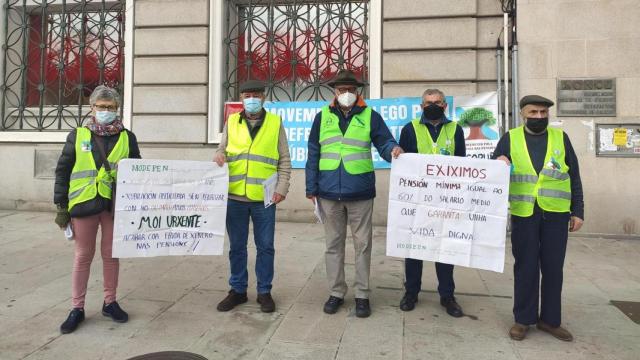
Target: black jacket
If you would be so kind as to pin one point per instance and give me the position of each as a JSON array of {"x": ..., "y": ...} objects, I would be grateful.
[
  {"x": 68, "y": 159},
  {"x": 409, "y": 142}
]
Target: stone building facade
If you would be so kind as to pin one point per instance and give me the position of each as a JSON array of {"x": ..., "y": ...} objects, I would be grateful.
[{"x": 175, "y": 58}]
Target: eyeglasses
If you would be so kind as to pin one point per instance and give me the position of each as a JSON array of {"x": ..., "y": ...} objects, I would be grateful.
[
  {"x": 343, "y": 90},
  {"x": 251, "y": 94},
  {"x": 105, "y": 108}
]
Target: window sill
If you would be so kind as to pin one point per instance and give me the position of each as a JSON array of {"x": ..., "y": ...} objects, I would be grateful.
[
  {"x": 32, "y": 135},
  {"x": 12, "y": 136}
]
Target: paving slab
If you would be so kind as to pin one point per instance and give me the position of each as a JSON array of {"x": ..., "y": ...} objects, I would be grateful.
[
  {"x": 306, "y": 323},
  {"x": 172, "y": 304},
  {"x": 279, "y": 350},
  {"x": 376, "y": 337}
]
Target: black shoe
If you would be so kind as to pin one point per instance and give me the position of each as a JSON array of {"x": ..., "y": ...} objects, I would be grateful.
[
  {"x": 76, "y": 316},
  {"x": 114, "y": 311},
  {"x": 232, "y": 300},
  {"x": 362, "y": 308},
  {"x": 332, "y": 305},
  {"x": 452, "y": 306},
  {"x": 408, "y": 302},
  {"x": 267, "y": 305}
]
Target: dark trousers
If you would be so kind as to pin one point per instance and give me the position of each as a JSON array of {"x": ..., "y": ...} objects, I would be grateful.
[
  {"x": 539, "y": 244},
  {"x": 413, "y": 278}
]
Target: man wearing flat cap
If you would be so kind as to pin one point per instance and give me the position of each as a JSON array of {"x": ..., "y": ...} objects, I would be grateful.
[
  {"x": 254, "y": 145},
  {"x": 545, "y": 198},
  {"x": 340, "y": 177}
]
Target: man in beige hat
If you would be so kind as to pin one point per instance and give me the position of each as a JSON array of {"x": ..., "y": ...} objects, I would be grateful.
[{"x": 340, "y": 176}]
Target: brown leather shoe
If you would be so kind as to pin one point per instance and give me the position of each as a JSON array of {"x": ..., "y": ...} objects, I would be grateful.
[
  {"x": 518, "y": 331},
  {"x": 557, "y": 332},
  {"x": 232, "y": 300},
  {"x": 267, "y": 305}
]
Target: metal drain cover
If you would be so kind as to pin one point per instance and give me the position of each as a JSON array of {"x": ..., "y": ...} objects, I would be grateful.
[
  {"x": 629, "y": 308},
  {"x": 169, "y": 355}
]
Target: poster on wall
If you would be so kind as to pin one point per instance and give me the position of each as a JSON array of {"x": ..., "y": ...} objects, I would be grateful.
[
  {"x": 169, "y": 207},
  {"x": 618, "y": 140},
  {"x": 448, "y": 209},
  {"x": 477, "y": 114}
]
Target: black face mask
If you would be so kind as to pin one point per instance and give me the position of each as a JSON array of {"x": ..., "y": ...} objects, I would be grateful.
[
  {"x": 537, "y": 125},
  {"x": 433, "y": 112}
]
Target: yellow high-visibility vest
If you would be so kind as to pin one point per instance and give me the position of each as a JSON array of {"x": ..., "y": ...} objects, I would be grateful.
[
  {"x": 86, "y": 180},
  {"x": 353, "y": 148},
  {"x": 445, "y": 142},
  {"x": 551, "y": 188},
  {"x": 251, "y": 161}
]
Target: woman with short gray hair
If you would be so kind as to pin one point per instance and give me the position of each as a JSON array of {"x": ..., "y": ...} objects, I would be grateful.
[
  {"x": 103, "y": 92},
  {"x": 83, "y": 193}
]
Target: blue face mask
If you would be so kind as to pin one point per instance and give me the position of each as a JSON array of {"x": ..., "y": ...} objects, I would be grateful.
[
  {"x": 105, "y": 117},
  {"x": 252, "y": 105}
]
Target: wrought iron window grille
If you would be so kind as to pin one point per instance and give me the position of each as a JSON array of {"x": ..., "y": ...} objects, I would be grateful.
[
  {"x": 55, "y": 53},
  {"x": 295, "y": 47}
]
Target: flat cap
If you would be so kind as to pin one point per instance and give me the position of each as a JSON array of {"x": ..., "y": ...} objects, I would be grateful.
[
  {"x": 535, "y": 100},
  {"x": 252, "y": 85}
]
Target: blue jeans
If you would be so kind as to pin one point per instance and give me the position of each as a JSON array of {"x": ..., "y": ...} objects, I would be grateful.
[{"x": 264, "y": 220}]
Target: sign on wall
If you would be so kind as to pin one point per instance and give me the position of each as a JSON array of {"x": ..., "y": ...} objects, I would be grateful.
[
  {"x": 448, "y": 209},
  {"x": 587, "y": 97},
  {"x": 477, "y": 114},
  {"x": 169, "y": 207}
]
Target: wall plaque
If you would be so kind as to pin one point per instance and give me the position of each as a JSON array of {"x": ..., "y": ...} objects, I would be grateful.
[{"x": 587, "y": 97}]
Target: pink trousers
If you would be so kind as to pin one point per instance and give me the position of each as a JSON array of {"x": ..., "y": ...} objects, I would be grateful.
[{"x": 86, "y": 230}]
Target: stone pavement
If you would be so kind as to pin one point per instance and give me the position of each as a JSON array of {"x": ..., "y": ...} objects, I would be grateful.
[{"x": 171, "y": 302}]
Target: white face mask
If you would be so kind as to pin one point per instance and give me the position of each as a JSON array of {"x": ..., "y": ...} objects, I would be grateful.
[
  {"x": 347, "y": 99},
  {"x": 105, "y": 117}
]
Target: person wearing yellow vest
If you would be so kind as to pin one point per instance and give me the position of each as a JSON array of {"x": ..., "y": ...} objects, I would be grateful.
[
  {"x": 254, "y": 145},
  {"x": 340, "y": 178},
  {"x": 83, "y": 194},
  {"x": 432, "y": 133},
  {"x": 546, "y": 202}
]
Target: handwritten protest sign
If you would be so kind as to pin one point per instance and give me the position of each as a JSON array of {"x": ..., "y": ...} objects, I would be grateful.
[
  {"x": 448, "y": 209},
  {"x": 170, "y": 207}
]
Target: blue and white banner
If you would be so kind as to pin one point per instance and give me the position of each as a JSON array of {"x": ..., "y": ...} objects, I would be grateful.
[{"x": 477, "y": 114}]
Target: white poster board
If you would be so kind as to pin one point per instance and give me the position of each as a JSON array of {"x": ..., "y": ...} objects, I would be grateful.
[
  {"x": 448, "y": 209},
  {"x": 170, "y": 207}
]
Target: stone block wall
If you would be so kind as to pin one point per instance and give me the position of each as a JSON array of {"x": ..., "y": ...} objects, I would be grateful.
[
  {"x": 425, "y": 43},
  {"x": 577, "y": 39},
  {"x": 170, "y": 67},
  {"x": 437, "y": 43}
]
